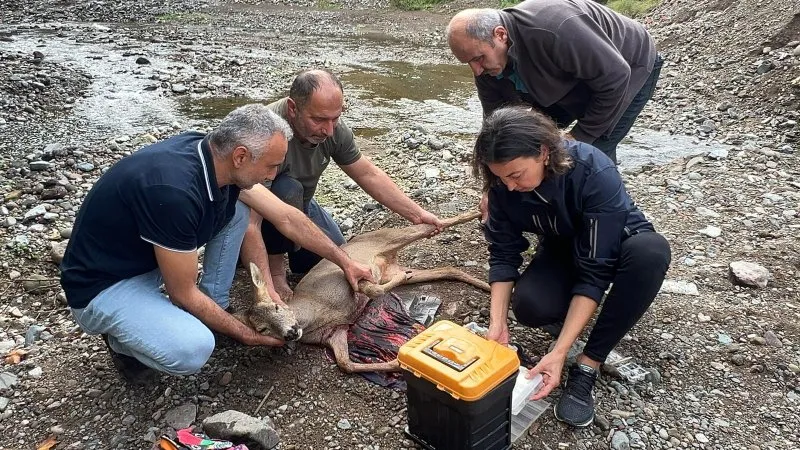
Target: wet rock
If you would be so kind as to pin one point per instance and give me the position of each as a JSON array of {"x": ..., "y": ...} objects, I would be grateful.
[
  {"x": 749, "y": 274},
  {"x": 181, "y": 416},
  {"x": 142, "y": 60},
  {"x": 236, "y": 426}
]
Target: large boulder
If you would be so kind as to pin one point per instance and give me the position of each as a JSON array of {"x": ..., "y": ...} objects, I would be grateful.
[{"x": 238, "y": 427}]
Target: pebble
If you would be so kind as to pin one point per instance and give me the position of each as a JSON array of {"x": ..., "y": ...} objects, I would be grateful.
[
  {"x": 85, "y": 166},
  {"x": 226, "y": 378},
  {"x": 711, "y": 231},
  {"x": 620, "y": 441}
]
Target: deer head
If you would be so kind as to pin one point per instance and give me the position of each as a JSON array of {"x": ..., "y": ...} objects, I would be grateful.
[{"x": 270, "y": 318}]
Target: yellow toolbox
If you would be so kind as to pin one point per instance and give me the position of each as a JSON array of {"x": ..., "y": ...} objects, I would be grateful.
[{"x": 459, "y": 389}]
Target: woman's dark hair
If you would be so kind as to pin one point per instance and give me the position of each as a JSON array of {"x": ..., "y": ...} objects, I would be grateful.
[{"x": 512, "y": 132}]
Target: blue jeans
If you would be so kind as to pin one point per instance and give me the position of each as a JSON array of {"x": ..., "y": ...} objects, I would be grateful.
[
  {"x": 143, "y": 323},
  {"x": 608, "y": 144},
  {"x": 290, "y": 191}
]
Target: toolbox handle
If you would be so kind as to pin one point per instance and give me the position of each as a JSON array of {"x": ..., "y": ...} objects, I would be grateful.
[{"x": 428, "y": 350}]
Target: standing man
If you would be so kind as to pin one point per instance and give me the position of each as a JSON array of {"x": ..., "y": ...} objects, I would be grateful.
[
  {"x": 313, "y": 109},
  {"x": 570, "y": 59},
  {"x": 143, "y": 222}
]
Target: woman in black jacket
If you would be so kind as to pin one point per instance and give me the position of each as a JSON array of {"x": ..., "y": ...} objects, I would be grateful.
[{"x": 590, "y": 235}]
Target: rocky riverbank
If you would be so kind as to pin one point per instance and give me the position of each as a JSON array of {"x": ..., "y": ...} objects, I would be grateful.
[{"x": 723, "y": 358}]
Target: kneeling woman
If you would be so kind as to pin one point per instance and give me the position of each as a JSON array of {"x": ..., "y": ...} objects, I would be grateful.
[{"x": 590, "y": 235}]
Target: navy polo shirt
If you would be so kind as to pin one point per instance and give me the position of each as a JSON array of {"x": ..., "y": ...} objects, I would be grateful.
[{"x": 165, "y": 194}]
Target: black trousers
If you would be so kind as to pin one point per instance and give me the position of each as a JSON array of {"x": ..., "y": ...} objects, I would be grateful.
[{"x": 542, "y": 294}]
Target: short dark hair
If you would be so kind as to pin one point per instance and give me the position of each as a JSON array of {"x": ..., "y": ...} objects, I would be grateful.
[
  {"x": 307, "y": 81},
  {"x": 513, "y": 132}
]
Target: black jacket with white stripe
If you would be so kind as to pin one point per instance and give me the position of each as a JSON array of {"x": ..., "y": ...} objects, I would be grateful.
[{"x": 586, "y": 210}]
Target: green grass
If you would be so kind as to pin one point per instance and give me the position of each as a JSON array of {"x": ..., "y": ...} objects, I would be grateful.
[
  {"x": 327, "y": 5},
  {"x": 630, "y": 8},
  {"x": 415, "y": 5}
]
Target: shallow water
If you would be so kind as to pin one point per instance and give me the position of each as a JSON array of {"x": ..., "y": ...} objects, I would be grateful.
[
  {"x": 382, "y": 95},
  {"x": 117, "y": 101}
]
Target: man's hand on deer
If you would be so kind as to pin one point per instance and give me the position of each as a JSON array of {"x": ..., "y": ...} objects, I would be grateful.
[
  {"x": 355, "y": 272},
  {"x": 430, "y": 219}
]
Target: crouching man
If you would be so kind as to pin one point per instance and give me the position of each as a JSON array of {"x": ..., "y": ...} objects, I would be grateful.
[{"x": 142, "y": 224}]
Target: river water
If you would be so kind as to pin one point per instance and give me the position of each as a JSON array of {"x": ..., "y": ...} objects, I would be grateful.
[{"x": 382, "y": 94}]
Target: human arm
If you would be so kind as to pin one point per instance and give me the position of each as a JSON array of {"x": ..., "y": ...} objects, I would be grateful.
[
  {"x": 179, "y": 270},
  {"x": 293, "y": 224},
  {"x": 506, "y": 243},
  {"x": 379, "y": 186},
  {"x": 498, "y": 311},
  {"x": 581, "y": 309},
  {"x": 582, "y": 49}
]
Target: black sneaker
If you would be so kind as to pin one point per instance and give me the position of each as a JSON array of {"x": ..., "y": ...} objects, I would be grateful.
[
  {"x": 576, "y": 405},
  {"x": 131, "y": 369}
]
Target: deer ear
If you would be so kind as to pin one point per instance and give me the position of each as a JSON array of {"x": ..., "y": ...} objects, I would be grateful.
[{"x": 255, "y": 275}]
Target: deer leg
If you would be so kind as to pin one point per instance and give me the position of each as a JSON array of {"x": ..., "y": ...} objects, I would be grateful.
[
  {"x": 338, "y": 343},
  {"x": 373, "y": 290},
  {"x": 443, "y": 273}
]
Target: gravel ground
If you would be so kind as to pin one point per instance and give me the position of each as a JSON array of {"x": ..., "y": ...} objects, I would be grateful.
[{"x": 109, "y": 77}]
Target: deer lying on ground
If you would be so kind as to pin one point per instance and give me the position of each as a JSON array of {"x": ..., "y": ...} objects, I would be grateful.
[{"x": 324, "y": 305}]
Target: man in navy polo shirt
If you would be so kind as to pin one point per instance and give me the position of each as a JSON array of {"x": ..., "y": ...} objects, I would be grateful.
[{"x": 143, "y": 222}]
